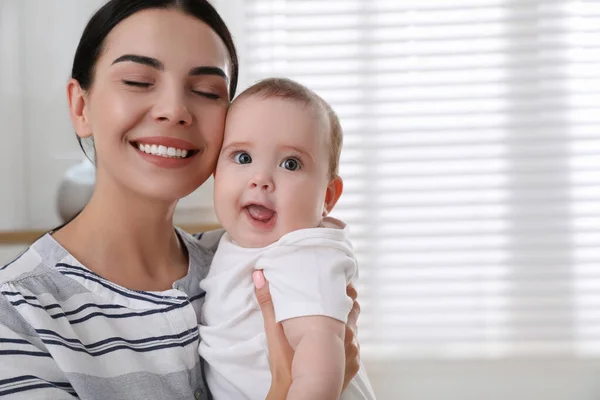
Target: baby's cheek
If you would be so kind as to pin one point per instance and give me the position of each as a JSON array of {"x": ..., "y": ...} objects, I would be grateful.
[{"x": 307, "y": 211}]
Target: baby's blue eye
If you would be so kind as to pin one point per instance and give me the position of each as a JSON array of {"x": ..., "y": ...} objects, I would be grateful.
[
  {"x": 291, "y": 164},
  {"x": 242, "y": 158}
]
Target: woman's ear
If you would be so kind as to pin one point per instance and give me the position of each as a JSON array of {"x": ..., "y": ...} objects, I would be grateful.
[
  {"x": 78, "y": 109},
  {"x": 334, "y": 191}
]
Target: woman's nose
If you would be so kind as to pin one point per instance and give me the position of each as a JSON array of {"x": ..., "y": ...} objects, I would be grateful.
[{"x": 172, "y": 108}]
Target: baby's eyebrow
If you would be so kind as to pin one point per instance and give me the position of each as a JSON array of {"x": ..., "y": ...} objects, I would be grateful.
[
  {"x": 243, "y": 145},
  {"x": 298, "y": 150}
]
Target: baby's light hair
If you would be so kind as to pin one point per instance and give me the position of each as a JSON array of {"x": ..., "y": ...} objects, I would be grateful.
[{"x": 288, "y": 89}]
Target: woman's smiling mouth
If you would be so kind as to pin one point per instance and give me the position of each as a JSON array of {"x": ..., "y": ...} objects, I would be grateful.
[{"x": 165, "y": 152}]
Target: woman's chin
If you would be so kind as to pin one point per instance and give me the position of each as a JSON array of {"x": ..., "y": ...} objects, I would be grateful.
[{"x": 168, "y": 192}]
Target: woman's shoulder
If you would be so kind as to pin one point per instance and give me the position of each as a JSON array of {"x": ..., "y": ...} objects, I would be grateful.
[
  {"x": 26, "y": 279},
  {"x": 208, "y": 240},
  {"x": 27, "y": 265},
  {"x": 201, "y": 248}
]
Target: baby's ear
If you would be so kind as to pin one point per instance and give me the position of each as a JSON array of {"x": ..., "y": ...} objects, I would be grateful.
[{"x": 334, "y": 191}]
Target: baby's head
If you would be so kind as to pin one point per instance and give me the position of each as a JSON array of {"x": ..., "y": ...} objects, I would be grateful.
[{"x": 278, "y": 167}]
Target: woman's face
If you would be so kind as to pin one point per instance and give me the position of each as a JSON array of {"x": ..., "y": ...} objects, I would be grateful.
[{"x": 157, "y": 106}]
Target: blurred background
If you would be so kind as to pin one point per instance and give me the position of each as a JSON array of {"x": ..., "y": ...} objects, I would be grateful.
[{"x": 471, "y": 166}]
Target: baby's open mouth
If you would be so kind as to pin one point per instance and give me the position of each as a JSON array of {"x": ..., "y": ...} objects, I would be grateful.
[{"x": 260, "y": 213}]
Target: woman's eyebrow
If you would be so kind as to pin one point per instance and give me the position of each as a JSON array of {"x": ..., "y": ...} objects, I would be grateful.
[
  {"x": 144, "y": 60},
  {"x": 208, "y": 71}
]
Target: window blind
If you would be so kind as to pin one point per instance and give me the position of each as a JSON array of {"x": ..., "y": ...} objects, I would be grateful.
[{"x": 471, "y": 164}]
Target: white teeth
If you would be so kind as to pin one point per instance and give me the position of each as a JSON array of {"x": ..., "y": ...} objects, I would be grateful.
[{"x": 163, "y": 151}]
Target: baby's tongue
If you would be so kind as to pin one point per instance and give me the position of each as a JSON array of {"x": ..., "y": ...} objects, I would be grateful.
[{"x": 260, "y": 213}]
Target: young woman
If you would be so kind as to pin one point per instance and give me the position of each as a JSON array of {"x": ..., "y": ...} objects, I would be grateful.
[{"x": 108, "y": 306}]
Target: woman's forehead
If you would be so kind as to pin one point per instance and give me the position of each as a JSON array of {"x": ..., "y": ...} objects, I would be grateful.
[{"x": 174, "y": 38}]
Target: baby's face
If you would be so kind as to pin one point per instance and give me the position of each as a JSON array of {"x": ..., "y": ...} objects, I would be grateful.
[{"x": 273, "y": 170}]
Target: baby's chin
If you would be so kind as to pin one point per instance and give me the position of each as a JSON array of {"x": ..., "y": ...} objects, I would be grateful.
[
  {"x": 253, "y": 240},
  {"x": 247, "y": 238}
]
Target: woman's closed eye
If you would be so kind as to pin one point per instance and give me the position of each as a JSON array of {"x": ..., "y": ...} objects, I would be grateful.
[
  {"x": 146, "y": 85},
  {"x": 138, "y": 84},
  {"x": 208, "y": 95}
]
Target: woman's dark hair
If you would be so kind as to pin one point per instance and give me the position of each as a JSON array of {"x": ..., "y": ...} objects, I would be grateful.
[{"x": 112, "y": 13}]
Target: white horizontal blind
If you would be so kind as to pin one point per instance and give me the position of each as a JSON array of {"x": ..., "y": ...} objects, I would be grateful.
[{"x": 471, "y": 164}]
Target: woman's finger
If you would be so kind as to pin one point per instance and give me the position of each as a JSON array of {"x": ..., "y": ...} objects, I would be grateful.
[
  {"x": 355, "y": 311},
  {"x": 351, "y": 291},
  {"x": 351, "y": 345},
  {"x": 281, "y": 353},
  {"x": 353, "y": 317}
]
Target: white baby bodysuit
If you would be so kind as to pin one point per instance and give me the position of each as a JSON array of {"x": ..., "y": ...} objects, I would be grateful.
[{"x": 308, "y": 271}]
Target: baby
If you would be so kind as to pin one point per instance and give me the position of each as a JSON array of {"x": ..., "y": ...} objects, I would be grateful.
[{"x": 275, "y": 182}]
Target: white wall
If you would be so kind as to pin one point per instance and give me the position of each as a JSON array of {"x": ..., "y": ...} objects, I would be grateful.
[
  {"x": 49, "y": 37},
  {"x": 38, "y": 40},
  {"x": 12, "y": 164},
  {"x": 9, "y": 253},
  {"x": 486, "y": 380}
]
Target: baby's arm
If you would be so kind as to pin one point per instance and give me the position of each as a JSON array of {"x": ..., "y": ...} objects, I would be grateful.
[{"x": 318, "y": 364}]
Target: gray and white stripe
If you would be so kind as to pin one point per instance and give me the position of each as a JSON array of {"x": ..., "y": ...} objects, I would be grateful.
[{"x": 66, "y": 332}]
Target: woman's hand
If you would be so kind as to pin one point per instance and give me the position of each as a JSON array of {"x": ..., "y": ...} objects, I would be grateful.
[
  {"x": 350, "y": 340},
  {"x": 281, "y": 353}
]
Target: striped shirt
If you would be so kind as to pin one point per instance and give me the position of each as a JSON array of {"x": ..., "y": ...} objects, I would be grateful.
[{"x": 65, "y": 332}]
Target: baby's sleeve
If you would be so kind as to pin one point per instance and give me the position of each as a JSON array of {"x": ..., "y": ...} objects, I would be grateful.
[{"x": 309, "y": 278}]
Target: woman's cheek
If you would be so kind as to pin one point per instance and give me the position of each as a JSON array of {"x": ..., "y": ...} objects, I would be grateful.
[{"x": 214, "y": 117}]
